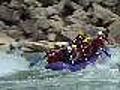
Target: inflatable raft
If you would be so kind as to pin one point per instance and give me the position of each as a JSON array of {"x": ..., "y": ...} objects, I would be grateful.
[
  {"x": 69, "y": 66},
  {"x": 59, "y": 65}
]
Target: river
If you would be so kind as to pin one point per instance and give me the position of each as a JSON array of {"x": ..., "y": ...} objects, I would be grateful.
[{"x": 15, "y": 75}]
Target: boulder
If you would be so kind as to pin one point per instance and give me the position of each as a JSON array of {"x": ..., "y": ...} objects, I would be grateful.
[
  {"x": 56, "y": 23},
  {"x": 72, "y": 31},
  {"x": 52, "y": 36},
  {"x": 110, "y": 3},
  {"x": 46, "y": 3},
  {"x": 115, "y": 30},
  {"x": 52, "y": 10},
  {"x": 5, "y": 13},
  {"x": 38, "y": 35},
  {"x": 15, "y": 34},
  {"x": 77, "y": 17},
  {"x": 2, "y": 25},
  {"x": 103, "y": 16},
  {"x": 29, "y": 26},
  {"x": 42, "y": 23},
  {"x": 38, "y": 12},
  {"x": 16, "y": 3},
  {"x": 5, "y": 40}
]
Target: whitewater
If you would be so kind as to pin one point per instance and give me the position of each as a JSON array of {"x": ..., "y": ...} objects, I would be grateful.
[{"x": 15, "y": 75}]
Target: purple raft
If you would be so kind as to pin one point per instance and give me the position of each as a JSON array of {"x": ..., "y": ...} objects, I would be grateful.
[{"x": 66, "y": 66}]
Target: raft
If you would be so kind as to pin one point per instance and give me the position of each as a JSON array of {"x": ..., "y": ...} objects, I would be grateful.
[
  {"x": 69, "y": 66},
  {"x": 57, "y": 66}
]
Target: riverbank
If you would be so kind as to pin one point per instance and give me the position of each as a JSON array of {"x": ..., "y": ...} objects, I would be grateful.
[{"x": 58, "y": 20}]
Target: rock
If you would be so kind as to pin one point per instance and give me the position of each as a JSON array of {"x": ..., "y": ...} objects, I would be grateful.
[
  {"x": 115, "y": 30},
  {"x": 16, "y": 3},
  {"x": 38, "y": 12},
  {"x": 38, "y": 35},
  {"x": 77, "y": 17},
  {"x": 75, "y": 6},
  {"x": 42, "y": 23},
  {"x": 46, "y": 3},
  {"x": 15, "y": 34},
  {"x": 5, "y": 13},
  {"x": 5, "y": 40},
  {"x": 103, "y": 15},
  {"x": 16, "y": 16},
  {"x": 56, "y": 23},
  {"x": 29, "y": 26},
  {"x": 52, "y": 10},
  {"x": 31, "y": 2},
  {"x": 66, "y": 8},
  {"x": 72, "y": 31},
  {"x": 51, "y": 36},
  {"x": 2, "y": 25},
  {"x": 110, "y": 2},
  {"x": 116, "y": 9}
]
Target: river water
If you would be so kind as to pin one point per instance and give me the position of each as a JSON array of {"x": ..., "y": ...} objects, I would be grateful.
[{"x": 15, "y": 75}]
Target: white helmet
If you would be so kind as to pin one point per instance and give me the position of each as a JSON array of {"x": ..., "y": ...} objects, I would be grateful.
[{"x": 100, "y": 33}]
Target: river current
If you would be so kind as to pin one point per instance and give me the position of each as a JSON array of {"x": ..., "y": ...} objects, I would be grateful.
[{"x": 15, "y": 75}]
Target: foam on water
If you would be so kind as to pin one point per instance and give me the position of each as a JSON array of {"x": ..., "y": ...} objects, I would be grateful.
[
  {"x": 109, "y": 69},
  {"x": 102, "y": 76},
  {"x": 11, "y": 63}
]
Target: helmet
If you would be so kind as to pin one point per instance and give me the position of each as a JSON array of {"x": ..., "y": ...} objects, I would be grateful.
[
  {"x": 88, "y": 40},
  {"x": 100, "y": 33},
  {"x": 74, "y": 46}
]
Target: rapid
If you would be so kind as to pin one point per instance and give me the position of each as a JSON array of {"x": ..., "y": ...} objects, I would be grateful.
[{"x": 15, "y": 75}]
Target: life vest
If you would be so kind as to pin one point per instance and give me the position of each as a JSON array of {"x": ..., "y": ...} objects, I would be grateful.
[
  {"x": 78, "y": 40},
  {"x": 55, "y": 56},
  {"x": 97, "y": 43}
]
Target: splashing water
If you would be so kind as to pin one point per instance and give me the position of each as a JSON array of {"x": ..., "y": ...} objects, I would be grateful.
[
  {"x": 11, "y": 63},
  {"x": 103, "y": 75}
]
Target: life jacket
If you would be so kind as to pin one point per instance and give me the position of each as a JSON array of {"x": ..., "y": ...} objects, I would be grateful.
[
  {"x": 78, "y": 40},
  {"x": 84, "y": 51},
  {"x": 51, "y": 57},
  {"x": 55, "y": 56},
  {"x": 97, "y": 43}
]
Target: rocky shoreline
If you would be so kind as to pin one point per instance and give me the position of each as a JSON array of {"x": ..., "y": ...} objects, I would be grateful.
[{"x": 57, "y": 20}]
